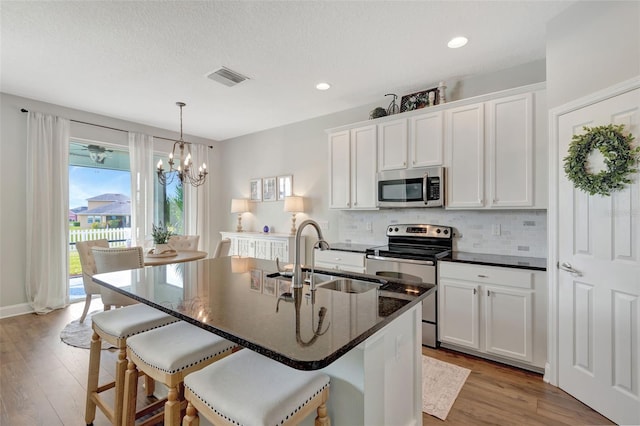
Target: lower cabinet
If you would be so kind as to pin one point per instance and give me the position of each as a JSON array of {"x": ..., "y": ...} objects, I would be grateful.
[
  {"x": 264, "y": 246},
  {"x": 340, "y": 260},
  {"x": 495, "y": 311}
]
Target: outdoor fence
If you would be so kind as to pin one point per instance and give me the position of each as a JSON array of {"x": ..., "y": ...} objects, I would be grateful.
[{"x": 117, "y": 237}]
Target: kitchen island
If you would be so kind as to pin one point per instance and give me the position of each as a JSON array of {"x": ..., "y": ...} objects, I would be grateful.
[{"x": 368, "y": 342}]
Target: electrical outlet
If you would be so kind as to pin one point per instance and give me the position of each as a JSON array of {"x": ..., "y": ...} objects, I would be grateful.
[
  {"x": 495, "y": 230},
  {"x": 369, "y": 227}
]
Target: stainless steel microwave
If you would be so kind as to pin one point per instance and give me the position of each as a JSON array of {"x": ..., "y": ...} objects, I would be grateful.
[{"x": 422, "y": 187}]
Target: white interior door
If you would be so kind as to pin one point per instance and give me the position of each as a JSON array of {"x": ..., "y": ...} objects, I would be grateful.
[{"x": 598, "y": 306}]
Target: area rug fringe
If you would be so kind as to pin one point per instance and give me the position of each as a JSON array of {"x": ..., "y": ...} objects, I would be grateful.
[{"x": 441, "y": 384}]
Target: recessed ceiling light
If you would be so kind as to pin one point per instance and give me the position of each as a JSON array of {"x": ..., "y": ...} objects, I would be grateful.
[
  {"x": 456, "y": 42},
  {"x": 323, "y": 86}
]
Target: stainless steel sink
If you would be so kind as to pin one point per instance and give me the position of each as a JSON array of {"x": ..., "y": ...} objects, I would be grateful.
[{"x": 347, "y": 285}]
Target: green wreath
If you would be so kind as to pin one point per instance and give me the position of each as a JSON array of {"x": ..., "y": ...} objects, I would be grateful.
[{"x": 620, "y": 159}]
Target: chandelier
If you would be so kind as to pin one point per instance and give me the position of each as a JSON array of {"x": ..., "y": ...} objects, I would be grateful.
[{"x": 184, "y": 169}]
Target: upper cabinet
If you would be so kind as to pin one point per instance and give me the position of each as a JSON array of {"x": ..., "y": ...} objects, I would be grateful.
[
  {"x": 493, "y": 148},
  {"x": 411, "y": 142},
  {"x": 496, "y": 153},
  {"x": 352, "y": 169}
]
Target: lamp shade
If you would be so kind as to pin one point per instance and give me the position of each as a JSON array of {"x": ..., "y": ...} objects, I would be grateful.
[
  {"x": 239, "y": 205},
  {"x": 293, "y": 204}
]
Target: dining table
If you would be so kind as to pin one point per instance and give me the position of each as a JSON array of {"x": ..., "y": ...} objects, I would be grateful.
[
  {"x": 368, "y": 342},
  {"x": 172, "y": 256}
]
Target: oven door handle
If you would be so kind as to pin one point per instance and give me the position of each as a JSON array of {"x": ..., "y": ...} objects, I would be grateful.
[{"x": 395, "y": 259}]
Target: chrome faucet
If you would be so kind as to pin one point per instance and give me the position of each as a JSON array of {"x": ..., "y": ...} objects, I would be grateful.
[{"x": 298, "y": 279}]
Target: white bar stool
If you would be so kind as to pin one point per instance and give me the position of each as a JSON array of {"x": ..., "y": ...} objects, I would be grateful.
[
  {"x": 115, "y": 326},
  {"x": 247, "y": 388},
  {"x": 168, "y": 354}
]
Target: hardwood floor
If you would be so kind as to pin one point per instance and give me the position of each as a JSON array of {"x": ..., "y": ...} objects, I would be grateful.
[{"x": 43, "y": 381}]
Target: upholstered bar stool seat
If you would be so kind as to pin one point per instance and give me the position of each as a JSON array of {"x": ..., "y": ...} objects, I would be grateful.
[
  {"x": 167, "y": 355},
  {"x": 115, "y": 326},
  {"x": 247, "y": 388}
]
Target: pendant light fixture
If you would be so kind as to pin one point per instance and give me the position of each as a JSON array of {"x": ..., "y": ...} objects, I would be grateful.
[{"x": 184, "y": 169}]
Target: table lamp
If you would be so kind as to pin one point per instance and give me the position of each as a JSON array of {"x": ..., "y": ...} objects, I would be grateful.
[
  {"x": 293, "y": 205},
  {"x": 239, "y": 205}
]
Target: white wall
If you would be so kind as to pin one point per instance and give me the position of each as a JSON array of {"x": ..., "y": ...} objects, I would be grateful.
[
  {"x": 13, "y": 173},
  {"x": 591, "y": 46}
]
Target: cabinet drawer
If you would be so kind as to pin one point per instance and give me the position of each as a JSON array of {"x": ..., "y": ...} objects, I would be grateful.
[
  {"x": 487, "y": 274},
  {"x": 341, "y": 258}
]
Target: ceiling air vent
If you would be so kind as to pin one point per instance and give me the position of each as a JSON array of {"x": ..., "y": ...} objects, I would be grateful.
[{"x": 227, "y": 77}]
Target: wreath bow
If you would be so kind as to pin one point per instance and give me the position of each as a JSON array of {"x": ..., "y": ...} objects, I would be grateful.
[{"x": 620, "y": 159}]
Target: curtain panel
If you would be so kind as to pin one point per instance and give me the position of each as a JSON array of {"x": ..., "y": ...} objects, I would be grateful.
[
  {"x": 142, "y": 186},
  {"x": 47, "y": 166},
  {"x": 197, "y": 212}
]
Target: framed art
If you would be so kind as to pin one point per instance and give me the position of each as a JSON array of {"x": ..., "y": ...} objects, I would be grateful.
[
  {"x": 269, "y": 192},
  {"x": 284, "y": 286},
  {"x": 269, "y": 285},
  {"x": 419, "y": 100},
  {"x": 256, "y": 280},
  {"x": 255, "y": 189},
  {"x": 285, "y": 186}
]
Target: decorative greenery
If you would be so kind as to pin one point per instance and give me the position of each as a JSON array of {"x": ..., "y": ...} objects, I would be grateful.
[
  {"x": 620, "y": 159},
  {"x": 160, "y": 233}
]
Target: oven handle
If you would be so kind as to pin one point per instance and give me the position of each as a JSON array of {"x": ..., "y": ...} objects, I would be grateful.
[{"x": 395, "y": 259}]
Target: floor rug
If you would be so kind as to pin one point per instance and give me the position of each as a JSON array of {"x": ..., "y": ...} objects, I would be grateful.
[
  {"x": 79, "y": 334},
  {"x": 441, "y": 383}
]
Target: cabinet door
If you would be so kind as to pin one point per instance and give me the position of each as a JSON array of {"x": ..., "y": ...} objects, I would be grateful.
[
  {"x": 426, "y": 140},
  {"x": 392, "y": 145},
  {"x": 339, "y": 171},
  {"x": 508, "y": 322},
  {"x": 262, "y": 249},
  {"x": 245, "y": 247},
  {"x": 458, "y": 319},
  {"x": 280, "y": 250},
  {"x": 510, "y": 151},
  {"x": 465, "y": 145},
  {"x": 363, "y": 168}
]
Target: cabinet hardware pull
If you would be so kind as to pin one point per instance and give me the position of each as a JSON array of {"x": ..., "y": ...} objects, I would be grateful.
[
  {"x": 474, "y": 291},
  {"x": 482, "y": 276},
  {"x": 488, "y": 293}
]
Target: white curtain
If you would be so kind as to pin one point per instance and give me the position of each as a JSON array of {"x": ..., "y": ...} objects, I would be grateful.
[
  {"x": 47, "y": 282},
  {"x": 142, "y": 184},
  {"x": 197, "y": 214}
]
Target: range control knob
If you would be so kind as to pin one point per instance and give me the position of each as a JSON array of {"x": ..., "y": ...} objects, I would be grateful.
[
  {"x": 438, "y": 231},
  {"x": 396, "y": 229},
  {"x": 446, "y": 231},
  {"x": 390, "y": 229}
]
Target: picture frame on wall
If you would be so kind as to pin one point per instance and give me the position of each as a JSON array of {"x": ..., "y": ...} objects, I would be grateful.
[
  {"x": 269, "y": 190},
  {"x": 255, "y": 189},
  {"x": 269, "y": 285},
  {"x": 285, "y": 186},
  {"x": 256, "y": 280}
]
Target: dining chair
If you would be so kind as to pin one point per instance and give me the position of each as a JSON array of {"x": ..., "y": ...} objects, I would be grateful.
[
  {"x": 116, "y": 259},
  {"x": 184, "y": 242},
  {"x": 115, "y": 327},
  {"x": 88, "y": 265},
  {"x": 222, "y": 249}
]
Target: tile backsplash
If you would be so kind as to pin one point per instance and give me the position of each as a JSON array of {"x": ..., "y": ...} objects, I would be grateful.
[{"x": 508, "y": 232}]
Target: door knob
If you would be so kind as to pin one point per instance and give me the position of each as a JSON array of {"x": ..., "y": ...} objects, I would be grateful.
[{"x": 566, "y": 266}]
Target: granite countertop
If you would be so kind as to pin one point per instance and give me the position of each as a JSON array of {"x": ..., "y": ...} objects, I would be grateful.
[
  {"x": 355, "y": 248},
  {"x": 236, "y": 298},
  {"x": 520, "y": 262}
]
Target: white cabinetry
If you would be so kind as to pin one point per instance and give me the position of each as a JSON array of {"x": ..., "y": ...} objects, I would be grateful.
[
  {"x": 495, "y": 153},
  {"x": 411, "y": 142},
  {"x": 352, "y": 169},
  {"x": 340, "y": 260},
  {"x": 496, "y": 312},
  {"x": 264, "y": 246},
  {"x": 392, "y": 145}
]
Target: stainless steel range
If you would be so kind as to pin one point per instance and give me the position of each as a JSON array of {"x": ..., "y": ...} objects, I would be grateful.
[{"x": 411, "y": 255}]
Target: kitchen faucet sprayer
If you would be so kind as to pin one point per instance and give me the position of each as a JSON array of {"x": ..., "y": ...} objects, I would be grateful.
[{"x": 298, "y": 280}]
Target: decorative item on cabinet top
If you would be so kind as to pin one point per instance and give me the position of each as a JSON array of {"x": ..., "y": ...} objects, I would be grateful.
[{"x": 418, "y": 100}]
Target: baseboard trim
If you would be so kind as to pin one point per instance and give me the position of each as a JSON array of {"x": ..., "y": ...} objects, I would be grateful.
[{"x": 15, "y": 310}]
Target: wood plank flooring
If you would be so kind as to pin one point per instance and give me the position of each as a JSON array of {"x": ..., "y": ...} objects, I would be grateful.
[{"x": 43, "y": 381}]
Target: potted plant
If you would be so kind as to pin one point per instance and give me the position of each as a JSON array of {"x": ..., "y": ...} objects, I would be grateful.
[{"x": 160, "y": 235}]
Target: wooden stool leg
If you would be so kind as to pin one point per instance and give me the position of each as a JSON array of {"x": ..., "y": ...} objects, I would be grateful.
[
  {"x": 172, "y": 408},
  {"x": 323, "y": 419},
  {"x": 149, "y": 385},
  {"x": 130, "y": 395},
  {"x": 92, "y": 380},
  {"x": 191, "y": 418},
  {"x": 121, "y": 369}
]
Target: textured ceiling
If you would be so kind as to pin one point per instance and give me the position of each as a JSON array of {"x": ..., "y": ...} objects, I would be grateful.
[{"x": 134, "y": 59}]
